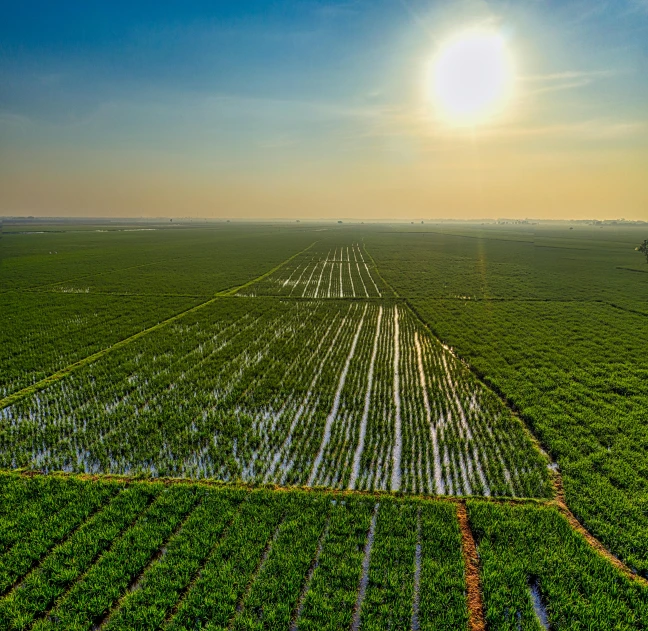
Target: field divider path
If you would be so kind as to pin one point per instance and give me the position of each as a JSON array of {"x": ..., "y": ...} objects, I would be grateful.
[
  {"x": 64, "y": 372},
  {"x": 476, "y": 619},
  {"x": 561, "y": 504}
]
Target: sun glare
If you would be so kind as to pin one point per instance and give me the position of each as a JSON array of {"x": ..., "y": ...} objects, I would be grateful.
[{"x": 472, "y": 77}]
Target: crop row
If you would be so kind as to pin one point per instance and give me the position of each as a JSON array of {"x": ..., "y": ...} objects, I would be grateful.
[
  {"x": 342, "y": 271},
  {"x": 191, "y": 556},
  {"x": 351, "y": 395},
  {"x": 194, "y": 557}
]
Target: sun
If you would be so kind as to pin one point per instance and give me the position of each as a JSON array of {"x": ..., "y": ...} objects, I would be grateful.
[{"x": 472, "y": 77}]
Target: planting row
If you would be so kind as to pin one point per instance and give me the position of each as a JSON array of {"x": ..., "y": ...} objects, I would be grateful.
[
  {"x": 339, "y": 271},
  {"x": 190, "y": 557},
  {"x": 186, "y": 556},
  {"x": 343, "y": 394}
]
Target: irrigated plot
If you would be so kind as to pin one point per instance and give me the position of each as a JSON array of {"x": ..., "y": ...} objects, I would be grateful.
[
  {"x": 39, "y": 336},
  {"x": 336, "y": 271},
  {"x": 351, "y": 395}
]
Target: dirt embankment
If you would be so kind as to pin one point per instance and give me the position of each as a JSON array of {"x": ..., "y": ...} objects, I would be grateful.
[{"x": 476, "y": 619}]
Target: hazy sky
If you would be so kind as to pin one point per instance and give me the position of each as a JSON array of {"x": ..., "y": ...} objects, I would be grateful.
[{"x": 317, "y": 109}]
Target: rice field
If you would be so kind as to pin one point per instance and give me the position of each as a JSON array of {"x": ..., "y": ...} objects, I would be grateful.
[
  {"x": 298, "y": 452},
  {"x": 121, "y": 554},
  {"x": 336, "y": 271},
  {"x": 354, "y": 395},
  {"x": 149, "y": 556}
]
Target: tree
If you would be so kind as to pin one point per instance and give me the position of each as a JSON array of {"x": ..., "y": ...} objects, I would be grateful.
[{"x": 643, "y": 248}]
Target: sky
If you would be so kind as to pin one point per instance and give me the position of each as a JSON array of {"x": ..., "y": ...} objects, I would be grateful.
[{"x": 318, "y": 109}]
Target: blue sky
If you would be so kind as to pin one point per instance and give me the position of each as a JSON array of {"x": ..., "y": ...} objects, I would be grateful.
[{"x": 258, "y": 109}]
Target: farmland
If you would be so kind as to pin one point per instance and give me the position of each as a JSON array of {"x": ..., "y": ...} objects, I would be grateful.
[
  {"x": 147, "y": 555},
  {"x": 346, "y": 408},
  {"x": 555, "y": 321},
  {"x": 342, "y": 271},
  {"x": 293, "y": 393}
]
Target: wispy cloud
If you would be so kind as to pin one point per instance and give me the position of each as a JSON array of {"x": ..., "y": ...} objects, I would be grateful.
[{"x": 565, "y": 80}]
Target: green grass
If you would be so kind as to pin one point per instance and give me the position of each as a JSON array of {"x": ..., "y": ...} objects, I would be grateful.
[
  {"x": 67, "y": 562},
  {"x": 200, "y": 556}
]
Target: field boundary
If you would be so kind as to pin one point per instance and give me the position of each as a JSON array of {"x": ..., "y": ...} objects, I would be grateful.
[
  {"x": 474, "y": 600},
  {"x": 235, "y": 290},
  {"x": 251, "y": 486},
  {"x": 561, "y": 504},
  {"x": 64, "y": 372}
]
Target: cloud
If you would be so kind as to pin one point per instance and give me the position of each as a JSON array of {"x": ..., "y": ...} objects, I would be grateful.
[{"x": 565, "y": 80}]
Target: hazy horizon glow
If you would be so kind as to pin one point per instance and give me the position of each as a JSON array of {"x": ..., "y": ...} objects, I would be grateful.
[{"x": 325, "y": 109}]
